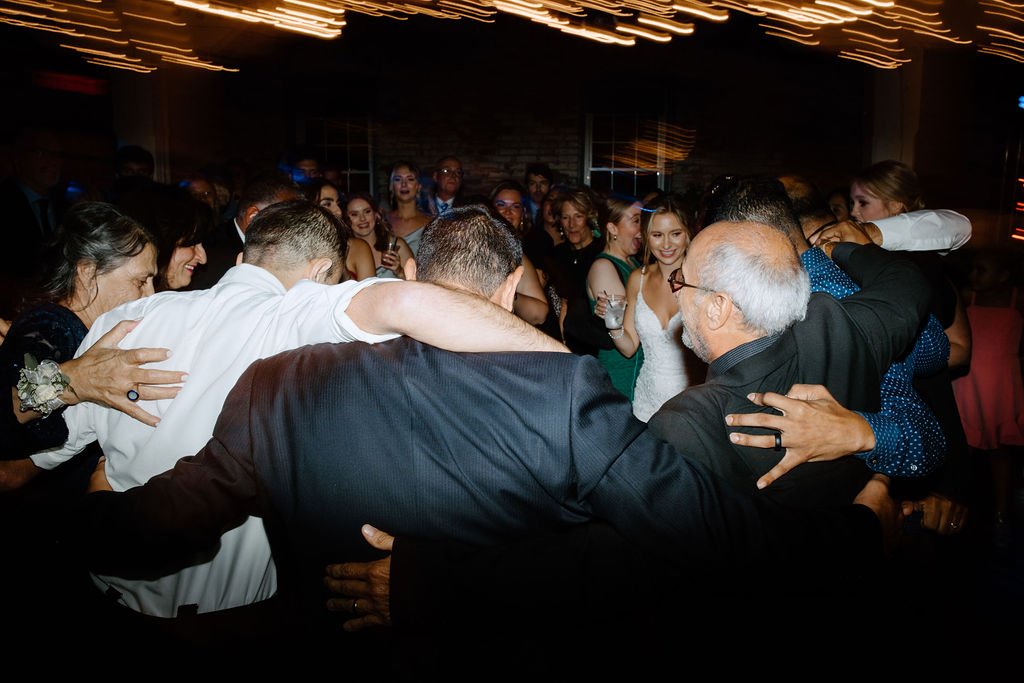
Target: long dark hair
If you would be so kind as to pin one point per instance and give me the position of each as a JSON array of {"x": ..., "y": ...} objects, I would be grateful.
[
  {"x": 91, "y": 232},
  {"x": 524, "y": 227},
  {"x": 381, "y": 228},
  {"x": 173, "y": 216}
]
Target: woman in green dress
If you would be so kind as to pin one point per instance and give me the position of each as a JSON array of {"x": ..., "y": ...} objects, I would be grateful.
[{"x": 608, "y": 276}]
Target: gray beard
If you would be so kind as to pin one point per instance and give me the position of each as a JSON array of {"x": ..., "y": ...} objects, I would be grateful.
[{"x": 697, "y": 345}]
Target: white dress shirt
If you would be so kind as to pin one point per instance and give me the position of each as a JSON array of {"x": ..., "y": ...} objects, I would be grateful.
[
  {"x": 214, "y": 335},
  {"x": 928, "y": 230}
]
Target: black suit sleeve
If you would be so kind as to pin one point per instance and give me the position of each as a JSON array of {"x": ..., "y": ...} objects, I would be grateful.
[
  {"x": 161, "y": 527},
  {"x": 893, "y": 300}
]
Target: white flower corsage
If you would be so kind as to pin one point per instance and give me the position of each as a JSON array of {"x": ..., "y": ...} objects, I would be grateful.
[{"x": 40, "y": 386}]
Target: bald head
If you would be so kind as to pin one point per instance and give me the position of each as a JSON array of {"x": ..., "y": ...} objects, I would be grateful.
[{"x": 758, "y": 267}]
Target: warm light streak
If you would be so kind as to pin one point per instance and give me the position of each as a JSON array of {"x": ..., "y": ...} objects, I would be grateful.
[
  {"x": 859, "y": 11},
  {"x": 667, "y": 24},
  {"x": 941, "y": 37},
  {"x": 1004, "y": 14},
  {"x": 156, "y": 19},
  {"x": 869, "y": 35},
  {"x": 644, "y": 33},
  {"x": 121, "y": 65},
  {"x": 1008, "y": 47},
  {"x": 702, "y": 11},
  {"x": 313, "y": 5},
  {"x": 92, "y": 37},
  {"x": 867, "y": 60},
  {"x": 795, "y": 39},
  {"x": 163, "y": 45},
  {"x": 786, "y": 30},
  {"x": 876, "y": 45},
  {"x": 101, "y": 53}
]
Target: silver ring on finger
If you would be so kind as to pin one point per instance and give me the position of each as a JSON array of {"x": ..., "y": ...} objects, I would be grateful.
[{"x": 355, "y": 605}]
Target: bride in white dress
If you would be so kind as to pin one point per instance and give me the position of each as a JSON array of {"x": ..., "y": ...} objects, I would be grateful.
[{"x": 655, "y": 322}]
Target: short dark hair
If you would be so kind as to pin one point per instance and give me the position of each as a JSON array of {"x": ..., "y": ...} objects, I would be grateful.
[
  {"x": 751, "y": 199},
  {"x": 538, "y": 169},
  {"x": 265, "y": 188},
  {"x": 93, "y": 232},
  {"x": 469, "y": 249},
  {"x": 293, "y": 233}
]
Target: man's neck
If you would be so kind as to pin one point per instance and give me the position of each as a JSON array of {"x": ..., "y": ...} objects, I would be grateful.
[{"x": 445, "y": 199}]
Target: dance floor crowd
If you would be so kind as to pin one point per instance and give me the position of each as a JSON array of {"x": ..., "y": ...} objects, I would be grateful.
[{"x": 578, "y": 420}]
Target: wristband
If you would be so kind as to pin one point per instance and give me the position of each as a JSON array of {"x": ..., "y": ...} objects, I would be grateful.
[{"x": 616, "y": 336}]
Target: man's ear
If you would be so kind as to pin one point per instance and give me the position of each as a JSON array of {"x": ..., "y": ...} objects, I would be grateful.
[
  {"x": 247, "y": 217},
  {"x": 506, "y": 294},
  {"x": 410, "y": 269},
  {"x": 717, "y": 308},
  {"x": 319, "y": 270},
  {"x": 238, "y": 259}
]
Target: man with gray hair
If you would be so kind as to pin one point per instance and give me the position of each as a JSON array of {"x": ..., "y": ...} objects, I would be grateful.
[{"x": 746, "y": 308}]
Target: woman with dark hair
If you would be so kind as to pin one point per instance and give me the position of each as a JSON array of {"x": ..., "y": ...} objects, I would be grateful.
[
  {"x": 359, "y": 261},
  {"x": 102, "y": 258},
  {"x": 607, "y": 278},
  {"x": 405, "y": 219},
  {"x": 531, "y": 304},
  {"x": 179, "y": 223},
  {"x": 364, "y": 218}
]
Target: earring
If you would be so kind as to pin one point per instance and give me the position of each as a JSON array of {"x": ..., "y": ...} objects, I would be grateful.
[{"x": 614, "y": 237}]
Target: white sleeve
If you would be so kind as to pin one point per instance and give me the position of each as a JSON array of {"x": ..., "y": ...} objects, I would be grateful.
[
  {"x": 345, "y": 328},
  {"x": 940, "y": 230},
  {"x": 80, "y": 434}
]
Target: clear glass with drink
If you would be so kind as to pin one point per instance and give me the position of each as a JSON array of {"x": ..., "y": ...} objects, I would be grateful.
[{"x": 615, "y": 311}]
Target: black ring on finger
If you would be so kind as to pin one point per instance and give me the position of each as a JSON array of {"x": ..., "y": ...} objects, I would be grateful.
[
  {"x": 132, "y": 395},
  {"x": 778, "y": 442}
]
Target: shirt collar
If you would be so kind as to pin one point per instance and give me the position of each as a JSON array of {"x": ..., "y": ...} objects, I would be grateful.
[{"x": 730, "y": 359}]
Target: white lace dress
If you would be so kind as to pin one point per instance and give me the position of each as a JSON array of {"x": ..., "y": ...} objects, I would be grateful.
[{"x": 663, "y": 374}]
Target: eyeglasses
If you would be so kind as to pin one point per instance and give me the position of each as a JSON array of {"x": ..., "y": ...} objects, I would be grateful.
[
  {"x": 457, "y": 172},
  {"x": 676, "y": 282}
]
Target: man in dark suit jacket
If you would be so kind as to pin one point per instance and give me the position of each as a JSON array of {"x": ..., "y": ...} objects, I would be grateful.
[
  {"x": 746, "y": 313},
  {"x": 227, "y": 240}
]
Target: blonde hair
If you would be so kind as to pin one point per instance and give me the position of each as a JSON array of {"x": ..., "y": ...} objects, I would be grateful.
[
  {"x": 892, "y": 181},
  {"x": 670, "y": 205}
]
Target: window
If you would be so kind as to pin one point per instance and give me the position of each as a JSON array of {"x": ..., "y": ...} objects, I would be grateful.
[{"x": 632, "y": 155}]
